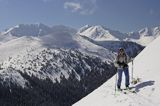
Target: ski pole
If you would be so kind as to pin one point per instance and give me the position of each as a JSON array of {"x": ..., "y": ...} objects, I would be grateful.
[
  {"x": 116, "y": 81},
  {"x": 132, "y": 70}
]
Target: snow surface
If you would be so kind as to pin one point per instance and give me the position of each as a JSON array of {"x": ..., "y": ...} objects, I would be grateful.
[
  {"x": 5, "y": 38},
  {"x": 18, "y": 46},
  {"x": 93, "y": 49},
  {"x": 146, "y": 67}
]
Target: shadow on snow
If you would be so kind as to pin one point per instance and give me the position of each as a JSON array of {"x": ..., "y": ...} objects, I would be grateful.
[{"x": 143, "y": 84}]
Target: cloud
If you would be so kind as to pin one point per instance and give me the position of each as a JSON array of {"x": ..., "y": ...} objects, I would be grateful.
[
  {"x": 83, "y": 7},
  {"x": 73, "y": 6}
]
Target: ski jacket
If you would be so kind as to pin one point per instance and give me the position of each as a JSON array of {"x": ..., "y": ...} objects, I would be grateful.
[{"x": 122, "y": 61}]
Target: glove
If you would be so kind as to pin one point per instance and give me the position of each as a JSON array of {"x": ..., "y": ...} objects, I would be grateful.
[
  {"x": 119, "y": 63},
  {"x": 116, "y": 65},
  {"x": 125, "y": 65}
]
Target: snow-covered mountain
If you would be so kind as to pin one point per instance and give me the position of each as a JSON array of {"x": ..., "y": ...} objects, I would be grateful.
[
  {"x": 146, "y": 67},
  {"x": 97, "y": 33},
  {"x": 37, "y": 64},
  {"x": 25, "y": 36},
  {"x": 144, "y": 36},
  {"x": 18, "y": 46},
  {"x": 28, "y": 30},
  {"x": 5, "y": 38},
  {"x": 48, "y": 63},
  {"x": 36, "y": 30},
  {"x": 100, "y": 33},
  {"x": 60, "y": 74},
  {"x": 131, "y": 48},
  {"x": 28, "y": 47}
]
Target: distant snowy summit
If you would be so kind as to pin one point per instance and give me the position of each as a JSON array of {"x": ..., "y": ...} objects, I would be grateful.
[
  {"x": 36, "y": 30},
  {"x": 101, "y": 33},
  {"x": 28, "y": 30},
  {"x": 97, "y": 32},
  {"x": 145, "y": 35}
]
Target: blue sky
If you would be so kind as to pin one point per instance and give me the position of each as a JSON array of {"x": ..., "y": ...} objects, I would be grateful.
[{"x": 122, "y": 15}]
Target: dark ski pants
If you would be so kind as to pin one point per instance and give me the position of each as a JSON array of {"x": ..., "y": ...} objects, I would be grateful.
[{"x": 120, "y": 72}]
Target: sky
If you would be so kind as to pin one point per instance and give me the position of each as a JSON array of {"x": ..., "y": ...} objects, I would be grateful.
[{"x": 121, "y": 15}]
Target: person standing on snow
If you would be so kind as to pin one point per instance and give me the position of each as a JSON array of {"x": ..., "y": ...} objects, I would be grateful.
[{"x": 121, "y": 64}]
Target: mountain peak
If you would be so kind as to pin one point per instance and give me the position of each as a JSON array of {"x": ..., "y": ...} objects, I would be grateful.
[
  {"x": 100, "y": 33},
  {"x": 150, "y": 31},
  {"x": 29, "y": 30},
  {"x": 145, "y": 31},
  {"x": 37, "y": 29}
]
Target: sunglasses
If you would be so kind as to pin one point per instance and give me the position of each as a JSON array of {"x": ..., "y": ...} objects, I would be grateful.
[{"x": 121, "y": 50}]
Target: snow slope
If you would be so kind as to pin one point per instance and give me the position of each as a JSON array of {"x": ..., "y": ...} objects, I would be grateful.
[
  {"x": 5, "y": 38},
  {"x": 146, "y": 67},
  {"x": 91, "y": 48},
  {"x": 18, "y": 46}
]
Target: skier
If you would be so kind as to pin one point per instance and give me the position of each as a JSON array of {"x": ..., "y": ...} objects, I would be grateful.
[{"x": 121, "y": 64}]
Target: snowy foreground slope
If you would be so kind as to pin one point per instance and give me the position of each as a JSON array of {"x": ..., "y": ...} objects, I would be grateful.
[{"x": 146, "y": 67}]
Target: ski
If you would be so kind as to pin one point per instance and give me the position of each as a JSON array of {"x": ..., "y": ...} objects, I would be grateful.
[
  {"x": 129, "y": 91},
  {"x": 126, "y": 91}
]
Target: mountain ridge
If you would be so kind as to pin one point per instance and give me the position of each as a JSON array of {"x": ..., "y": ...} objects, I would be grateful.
[
  {"x": 97, "y": 32},
  {"x": 101, "y": 33}
]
